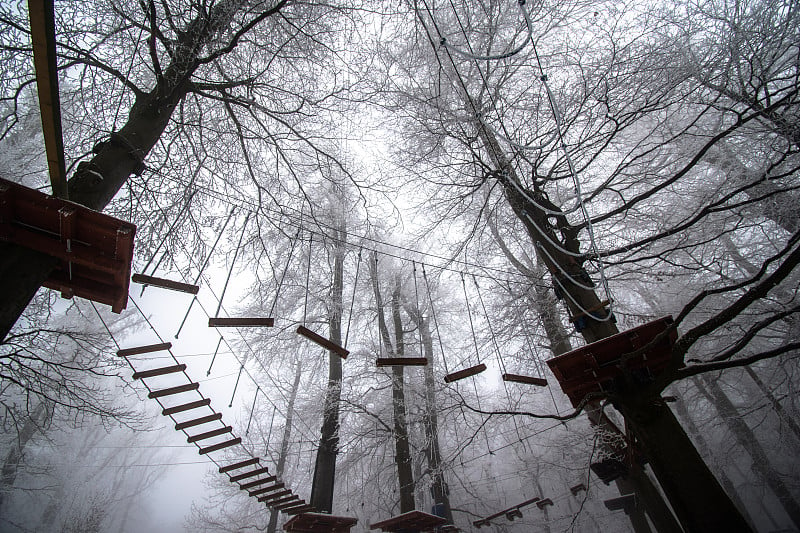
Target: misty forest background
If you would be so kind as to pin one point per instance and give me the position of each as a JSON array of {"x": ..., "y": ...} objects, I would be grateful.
[{"x": 347, "y": 165}]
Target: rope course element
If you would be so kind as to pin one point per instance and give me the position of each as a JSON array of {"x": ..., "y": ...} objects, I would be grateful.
[
  {"x": 309, "y": 334},
  {"x": 208, "y": 442}
]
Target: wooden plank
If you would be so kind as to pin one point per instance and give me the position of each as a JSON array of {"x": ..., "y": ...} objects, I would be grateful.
[
  {"x": 273, "y": 496},
  {"x": 322, "y": 341},
  {"x": 462, "y": 374},
  {"x": 264, "y": 490},
  {"x": 127, "y": 352},
  {"x": 240, "y": 464},
  {"x": 173, "y": 390},
  {"x": 219, "y": 322},
  {"x": 180, "y": 426},
  {"x": 401, "y": 361},
  {"x": 220, "y": 446},
  {"x": 297, "y": 510},
  {"x": 159, "y": 371},
  {"x": 257, "y": 482},
  {"x": 287, "y": 499},
  {"x": 186, "y": 407},
  {"x": 293, "y": 502},
  {"x": 165, "y": 283},
  {"x": 210, "y": 434},
  {"x": 528, "y": 380},
  {"x": 43, "y": 39},
  {"x": 256, "y": 472}
]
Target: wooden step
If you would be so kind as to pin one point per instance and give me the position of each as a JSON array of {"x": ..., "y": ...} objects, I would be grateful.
[
  {"x": 401, "y": 361},
  {"x": 165, "y": 283},
  {"x": 256, "y": 472},
  {"x": 209, "y": 434},
  {"x": 219, "y": 322},
  {"x": 278, "y": 503},
  {"x": 279, "y": 494},
  {"x": 173, "y": 390},
  {"x": 159, "y": 371},
  {"x": 528, "y": 380},
  {"x": 298, "y": 510},
  {"x": 322, "y": 341},
  {"x": 186, "y": 407},
  {"x": 127, "y": 352},
  {"x": 462, "y": 374},
  {"x": 220, "y": 446},
  {"x": 240, "y": 464},
  {"x": 258, "y": 482},
  {"x": 265, "y": 490},
  {"x": 295, "y": 501},
  {"x": 180, "y": 426}
]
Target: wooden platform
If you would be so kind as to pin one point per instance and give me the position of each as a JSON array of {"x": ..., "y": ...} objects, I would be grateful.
[
  {"x": 597, "y": 366},
  {"x": 411, "y": 522},
  {"x": 319, "y": 523},
  {"x": 94, "y": 249}
]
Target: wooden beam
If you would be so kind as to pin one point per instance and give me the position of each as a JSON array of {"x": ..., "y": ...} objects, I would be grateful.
[
  {"x": 276, "y": 495},
  {"x": 220, "y": 446},
  {"x": 322, "y": 341},
  {"x": 256, "y": 472},
  {"x": 180, "y": 426},
  {"x": 173, "y": 390},
  {"x": 165, "y": 283},
  {"x": 127, "y": 352},
  {"x": 240, "y": 464},
  {"x": 209, "y": 434},
  {"x": 43, "y": 38},
  {"x": 529, "y": 380},
  {"x": 218, "y": 322},
  {"x": 158, "y": 371},
  {"x": 186, "y": 407},
  {"x": 257, "y": 482},
  {"x": 462, "y": 374},
  {"x": 265, "y": 490},
  {"x": 402, "y": 361}
]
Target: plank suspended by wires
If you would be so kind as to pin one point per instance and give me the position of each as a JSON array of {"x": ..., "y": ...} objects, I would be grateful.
[
  {"x": 314, "y": 337},
  {"x": 165, "y": 283}
]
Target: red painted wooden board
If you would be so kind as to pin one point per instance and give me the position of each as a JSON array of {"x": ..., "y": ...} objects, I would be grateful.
[
  {"x": 320, "y": 523},
  {"x": 95, "y": 249},
  {"x": 412, "y": 520},
  {"x": 593, "y": 367}
]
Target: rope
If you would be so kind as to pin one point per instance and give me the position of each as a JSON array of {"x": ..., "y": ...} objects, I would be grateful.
[
  {"x": 233, "y": 262},
  {"x": 308, "y": 276},
  {"x": 236, "y": 386},
  {"x": 216, "y": 350},
  {"x": 419, "y": 311},
  {"x": 433, "y": 315},
  {"x": 353, "y": 300},
  {"x": 252, "y": 410}
]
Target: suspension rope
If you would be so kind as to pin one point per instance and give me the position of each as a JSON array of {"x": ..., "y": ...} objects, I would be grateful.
[
  {"x": 252, "y": 410},
  {"x": 353, "y": 299},
  {"x": 433, "y": 316},
  {"x": 308, "y": 277},
  {"x": 283, "y": 275},
  {"x": 233, "y": 262},
  {"x": 419, "y": 311}
]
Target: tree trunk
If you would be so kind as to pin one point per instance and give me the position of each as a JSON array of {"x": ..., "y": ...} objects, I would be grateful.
[
  {"x": 430, "y": 421},
  {"x": 287, "y": 435},
  {"x": 95, "y": 182},
  {"x": 748, "y": 440},
  {"x": 695, "y": 495},
  {"x": 325, "y": 466},
  {"x": 33, "y": 422}
]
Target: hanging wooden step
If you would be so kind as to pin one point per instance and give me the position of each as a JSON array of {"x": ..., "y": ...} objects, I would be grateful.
[
  {"x": 278, "y": 503},
  {"x": 257, "y": 482},
  {"x": 219, "y": 322},
  {"x": 298, "y": 510},
  {"x": 541, "y": 504},
  {"x": 577, "y": 488},
  {"x": 265, "y": 490},
  {"x": 173, "y": 390},
  {"x": 180, "y": 426},
  {"x": 159, "y": 371},
  {"x": 210, "y": 434},
  {"x": 319, "y": 523},
  {"x": 169, "y": 411},
  {"x": 295, "y": 505},
  {"x": 322, "y": 341},
  {"x": 528, "y": 380},
  {"x": 256, "y": 472},
  {"x": 127, "y": 352},
  {"x": 144, "y": 279},
  {"x": 401, "y": 361},
  {"x": 511, "y": 514},
  {"x": 465, "y": 373},
  {"x": 625, "y": 503},
  {"x": 94, "y": 250},
  {"x": 220, "y": 446},
  {"x": 279, "y": 494},
  {"x": 240, "y": 464}
]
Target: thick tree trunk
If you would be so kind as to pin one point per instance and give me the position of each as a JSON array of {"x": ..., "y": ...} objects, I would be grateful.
[
  {"x": 325, "y": 466},
  {"x": 695, "y": 495},
  {"x": 96, "y": 182},
  {"x": 33, "y": 423},
  {"x": 287, "y": 435},
  {"x": 430, "y": 422},
  {"x": 405, "y": 476},
  {"x": 748, "y": 440}
]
